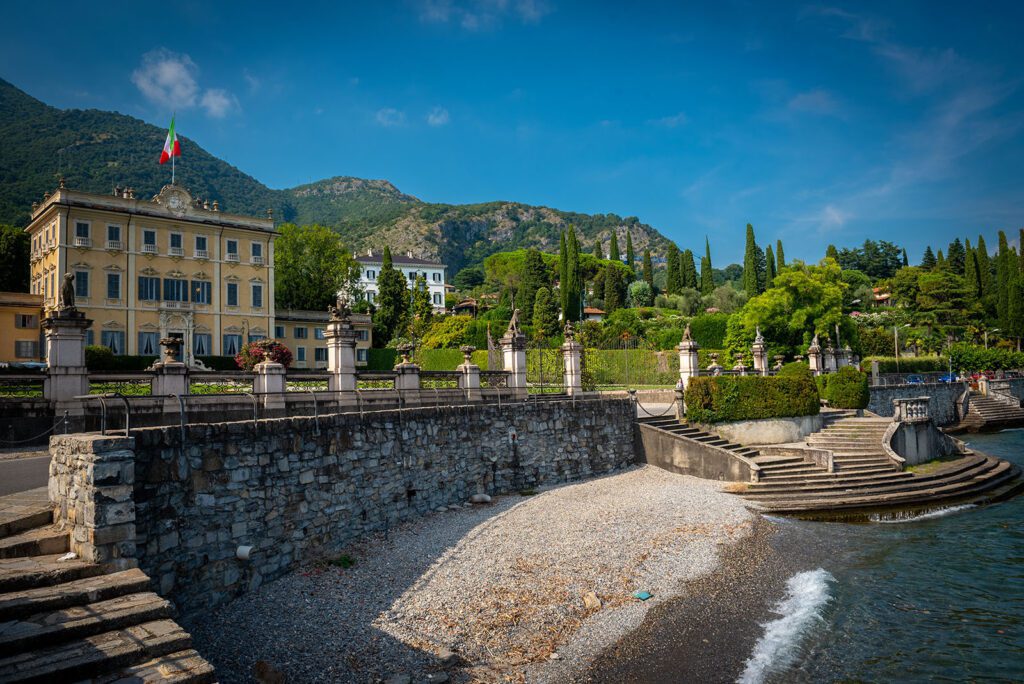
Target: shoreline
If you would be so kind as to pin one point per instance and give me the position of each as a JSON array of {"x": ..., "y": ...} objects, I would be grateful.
[{"x": 492, "y": 593}]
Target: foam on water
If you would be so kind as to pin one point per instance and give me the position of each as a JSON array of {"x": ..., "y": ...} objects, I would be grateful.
[
  {"x": 917, "y": 517},
  {"x": 807, "y": 593}
]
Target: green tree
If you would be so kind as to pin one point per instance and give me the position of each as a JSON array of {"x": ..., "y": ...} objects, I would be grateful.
[
  {"x": 648, "y": 269},
  {"x": 563, "y": 272},
  {"x": 753, "y": 266},
  {"x": 574, "y": 278},
  {"x": 942, "y": 295},
  {"x": 422, "y": 308},
  {"x": 780, "y": 257},
  {"x": 928, "y": 260},
  {"x": 613, "y": 247},
  {"x": 640, "y": 294},
  {"x": 468, "y": 278},
  {"x": 598, "y": 285},
  {"x": 614, "y": 290},
  {"x": 940, "y": 261},
  {"x": 904, "y": 286},
  {"x": 769, "y": 260},
  {"x": 832, "y": 253},
  {"x": 673, "y": 281},
  {"x": 545, "y": 314},
  {"x": 15, "y": 258},
  {"x": 311, "y": 267},
  {"x": 956, "y": 257},
  {"x": 630, "y": 254},
  {"x": 971, "y": 281},
  {"x": 906, "y": 261},
  {"x": 598, "y": 252},
  {"x": 984, "y": 268},
  {"x": 535, "y": 276},
  {"x": 688, "y": 270},
  {"x": 392, "y": 314},
  {"x": 1006, "y": 265},
  {"x": 707, "y": 271}
]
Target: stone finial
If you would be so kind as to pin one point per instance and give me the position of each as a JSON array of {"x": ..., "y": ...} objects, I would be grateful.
[
  {"x": 687, "y": 334},
  {"x": 35, "y": 205},
  {"x": 66, "y": 302},
  {"x": 513, "y": 324},
  {"x": 467, "y": 353},
  {"x": 270, "y": 213},
  {"x": 60, "y": 183},
  {"x": 341, "y": 311},
  {"x": 405, "y": 349},
  {"x": 216, "y": 205},
  {"x": 815, "y": 345},
  {"x": 758, "y": 338},
  {"x": 569, "y": 332},
  {"x": 46, "y": 196},
  {"x": 171, "y": 347}
]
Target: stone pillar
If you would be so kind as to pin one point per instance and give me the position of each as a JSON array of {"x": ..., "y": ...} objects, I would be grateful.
[
  {"x": 469, "y": 374},
  {"x": 270, "y": 384},
  {"x": 91, "y": 486},
  {"x": 341, "y": 354},
  {"x": 66, "y": 374},
  {"x": 572, "y": 366},
  {"x": 830, "y": 360},
  {"x": 740, "y": 367},
  {"x": 760, "y": 352},
  {"x": 983, "y": 384},
  {"x": 513, "y": 353},
  {"x": 874, "y": 373},
  {"x": 407, "y": 378},
  {"x": 170, "y": 377},
  {"x": 689, "y": 366},
  {"x": 814, "y": 356}
]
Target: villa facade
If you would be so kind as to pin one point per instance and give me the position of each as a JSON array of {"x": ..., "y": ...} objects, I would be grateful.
[{"x": 410, "y": 267}]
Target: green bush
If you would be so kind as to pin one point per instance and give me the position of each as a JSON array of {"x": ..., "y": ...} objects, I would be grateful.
[
  {"x": 796, "y": 369},
  {"x": 967, "y": 357},
  {"x": 729, "y": 398},
  {"x": 847, "y": 389},
  {"x": 100, "y": 358},
  {"x": 919, "y": 364},
  {"x": 428, "y": 359},
  {"x": 708, "y": 330},
  {"x": 219, "y": 363}
]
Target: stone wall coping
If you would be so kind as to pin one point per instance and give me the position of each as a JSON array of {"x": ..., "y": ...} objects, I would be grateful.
[{"x": 95, "y": 444}]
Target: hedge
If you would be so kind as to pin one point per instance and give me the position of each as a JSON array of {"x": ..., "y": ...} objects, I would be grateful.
[
  {"x": 847, "y": 389},
  {"x": 967, "y": 357},
  {"x": 728, "y": 398},
  {"x": 428, "y": 359},
  {"x": 916, "y": 364},
  {"x": 100, "y": 358},
  {"x": 708, "y": 330}
]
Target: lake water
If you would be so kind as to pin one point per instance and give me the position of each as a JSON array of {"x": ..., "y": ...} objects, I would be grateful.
[{"x": 938, "y": 598}]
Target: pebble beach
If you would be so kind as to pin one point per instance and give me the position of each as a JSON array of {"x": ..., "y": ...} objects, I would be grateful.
[{"x": 527, "y": 588}]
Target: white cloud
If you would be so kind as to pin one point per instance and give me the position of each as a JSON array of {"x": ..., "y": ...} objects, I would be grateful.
[
  {"x": 673, "y": 121},
  {"x": 255, "y": 84},
  {"x": 438, "y": 116},
  {"x": 168, "y": 79},
  {"x": 218, "y": 103},
  {"x": 479, "y": 15},
  {"x": 390, "y": 117}
]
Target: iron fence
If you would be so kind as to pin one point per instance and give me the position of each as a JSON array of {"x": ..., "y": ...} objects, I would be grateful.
[
  {"x": 125, "y": 384},
  {"x": 220, "y": 383},
  {"x": 439, "y": 379},
  {"x": 26, "y": 386},
  {"x": 375, "y": 380}
]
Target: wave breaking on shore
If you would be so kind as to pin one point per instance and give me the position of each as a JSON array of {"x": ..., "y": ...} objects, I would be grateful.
[{"x": 807, "y": 593}]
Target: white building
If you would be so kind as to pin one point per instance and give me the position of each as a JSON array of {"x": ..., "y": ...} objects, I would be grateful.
[{"x": 411, "y": 267}]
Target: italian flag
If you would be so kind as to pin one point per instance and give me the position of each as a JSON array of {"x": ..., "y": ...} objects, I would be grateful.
[{"x": 172, "y": 148}]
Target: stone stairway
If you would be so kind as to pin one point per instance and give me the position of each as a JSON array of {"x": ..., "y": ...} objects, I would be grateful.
[
  {"x": 865, "y": 478},
  {"x": 70, "y": 621},
  {"x": 986, "y": 413},
  {"x": 672, "y": 425}
]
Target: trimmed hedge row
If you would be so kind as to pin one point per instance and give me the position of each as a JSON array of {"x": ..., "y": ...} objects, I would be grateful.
[
  {"x": 967, "y": 357},
  {"x": 729, "y": 398},
  {"x": 845, "y": 389},
  {"x": 100, "y": 358},
  {"x": 919, "y": 364}
]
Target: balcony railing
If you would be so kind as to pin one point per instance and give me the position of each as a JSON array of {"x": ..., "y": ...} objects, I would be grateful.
[
  {"x": 177, "y": 251},
  {"x": 257, "y": 261},
  {"x": 231, "y": 256},
  {"x": 202, "y": 254},
  {"x": 115, "y": 244},
  {"x": 82, "y": 241},
  {"x": 149, "y": 249},
  {"x": 177, "y": 305}
]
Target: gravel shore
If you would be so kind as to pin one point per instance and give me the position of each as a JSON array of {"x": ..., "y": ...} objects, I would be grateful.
[{"x": 489, "y": 593}]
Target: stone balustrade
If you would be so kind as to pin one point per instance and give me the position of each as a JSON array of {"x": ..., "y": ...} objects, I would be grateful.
[{"x": 911, "y": 410}]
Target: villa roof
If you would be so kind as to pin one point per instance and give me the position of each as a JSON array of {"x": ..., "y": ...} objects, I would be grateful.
[{"x": 407, "y": 259}]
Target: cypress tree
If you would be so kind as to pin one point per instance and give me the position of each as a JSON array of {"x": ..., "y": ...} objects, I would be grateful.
[
  {"x": 545, "y": 314},
  {"x": 984, "y": 268},
  {"x": 780, "y": 257},
  {"x": 940, "y": 262},
  {"x": 613, "y": 248},
  {"x": 574, "y": 276},
  {"x": 648, "y": 269},
  {"x": 832, "y": 253},
  {"x": 598, "y": 281},
  {"x": 1004, "y": 262},
  {"x": 752, "y": 279},
  {"x": 971, "y": 270},
  {"x": 688, "y": 269},
  {"x": 956, "y": 257},
  {"x": 598, "y": 252},
  {"x": 630, "y": 255},
  {"x": 563, "y": 275},
  {"x": 392, "y": 302},
  {"x": 769, "y": 259},
  {"x": 673, "y": 281},
  {"x": 535, "y": 276},
  {"x": 906, "y": 261},
  {"x": 1020, "y": 257},
  {"x": 707, "y": 276},
  {"x": 928, "y": 260},
  {"x": 614, "y": 290}
]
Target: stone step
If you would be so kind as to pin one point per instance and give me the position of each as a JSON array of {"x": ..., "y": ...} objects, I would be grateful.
[
  {"x": 835, "y": 477},
  {"x": 23, "y": 511},
  {"x": 19, "y": 604},
  {"x": 96, "y": 654},
  {"x": 77, "y": 622},
  {"x": 861, "y": 467},
  {"x": 786, "y": 474},
  {"x": 183, "y": 667},
  {"x": 768, "y": 459},
  {"x": 42, "y": 571},
  {"x": 39, "y": 541},
  {"x": 842, "y": 487},
  {"x": 973, "y": 490},
  {"x": 25, "y": 522},
  {"x": 827, "y": 476}
]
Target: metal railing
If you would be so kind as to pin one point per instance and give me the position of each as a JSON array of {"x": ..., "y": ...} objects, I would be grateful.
[
  {"x": 220, "y": 383},
  {"x": 126, "y": 384},
  {"x": 493, "y": 379},
  {"x": 439, "y": 379},
  {"x": 375, "y": 380},
  {"x": 307, "y": 382},
  {"x": 22, "y": 386}
]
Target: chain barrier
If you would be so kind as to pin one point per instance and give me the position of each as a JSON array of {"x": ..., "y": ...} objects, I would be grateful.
[{"x": 62, "y": 421}]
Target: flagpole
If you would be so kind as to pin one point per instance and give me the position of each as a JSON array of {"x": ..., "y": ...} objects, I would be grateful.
[{"x": 172, "y": 163}]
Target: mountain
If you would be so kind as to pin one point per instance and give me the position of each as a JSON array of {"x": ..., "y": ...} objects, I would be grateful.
[{"x": 97, "y": 150}]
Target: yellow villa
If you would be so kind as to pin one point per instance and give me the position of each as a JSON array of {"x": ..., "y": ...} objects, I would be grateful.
[{"x": 169, "y": 266}]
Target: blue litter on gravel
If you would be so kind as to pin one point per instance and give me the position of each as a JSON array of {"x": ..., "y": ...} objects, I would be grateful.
[{"x": 642, "y": 595}]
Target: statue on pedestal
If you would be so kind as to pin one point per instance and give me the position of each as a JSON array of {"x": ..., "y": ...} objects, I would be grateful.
[{"x": 66, "y": 302}]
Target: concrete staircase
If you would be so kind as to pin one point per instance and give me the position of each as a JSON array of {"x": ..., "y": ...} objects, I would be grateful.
[
  {"x": 986, "y": 413},
  {"x": 69, "y": 621},
  {"x": 864, "y": 477},
  {"x": 682, "y": 430}
]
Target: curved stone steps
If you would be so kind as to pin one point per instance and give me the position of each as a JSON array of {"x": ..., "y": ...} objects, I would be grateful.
[
  {"x": 831, "y": 477},
  {"x": 972, "y": 488}
]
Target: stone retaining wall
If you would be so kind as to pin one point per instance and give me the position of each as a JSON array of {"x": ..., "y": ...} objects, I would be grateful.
[
  {"x": 941, "y": 408},
  {"x": 294, "y": 489}
]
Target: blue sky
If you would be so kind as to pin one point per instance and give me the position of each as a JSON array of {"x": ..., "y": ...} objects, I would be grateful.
[{"x": 817, "y": 123}]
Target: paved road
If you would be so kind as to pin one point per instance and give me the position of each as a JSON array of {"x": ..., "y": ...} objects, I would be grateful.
[{"x": 19, "y": 474}]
